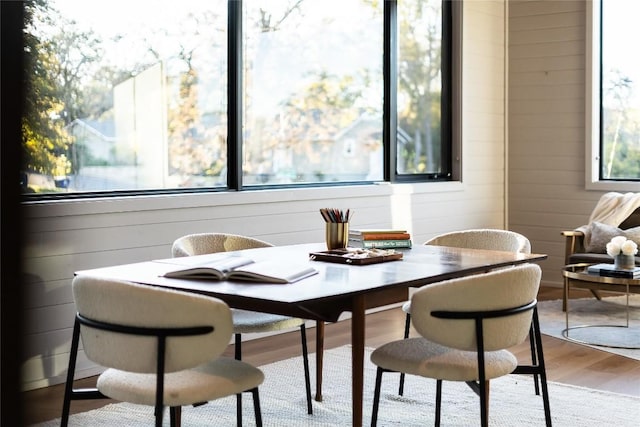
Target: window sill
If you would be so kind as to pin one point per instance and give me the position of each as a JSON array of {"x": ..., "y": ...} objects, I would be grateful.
[
  {"x": 56, "y": 208},
  {"x": 619, "y": 186}
]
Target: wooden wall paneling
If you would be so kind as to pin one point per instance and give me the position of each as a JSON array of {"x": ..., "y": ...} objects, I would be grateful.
[{"x": 546, "y": 125}]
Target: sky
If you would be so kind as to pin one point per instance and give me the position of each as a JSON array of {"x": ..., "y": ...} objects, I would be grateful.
[{"x": 621, "y": 37}]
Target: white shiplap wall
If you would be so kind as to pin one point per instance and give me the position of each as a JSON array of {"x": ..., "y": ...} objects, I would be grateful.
[
  {"x": 546, "y": 113},
  {"x": 68, "y": 236}
]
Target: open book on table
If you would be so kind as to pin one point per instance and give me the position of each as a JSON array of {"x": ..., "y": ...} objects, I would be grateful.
[{"x": 245, "y": 269}]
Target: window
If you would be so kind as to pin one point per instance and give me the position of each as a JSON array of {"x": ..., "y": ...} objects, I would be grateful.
[
  {"x": 313, "y": 91},
  {"x": 209, "y": 95},
  {"x": 613, "y": 78},
  {"x": 421, "y": 113}
]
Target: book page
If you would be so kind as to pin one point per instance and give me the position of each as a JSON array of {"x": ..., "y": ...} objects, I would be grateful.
[
  {"x": 217, "y": 268},
  {"x": 272, "y": 272}
]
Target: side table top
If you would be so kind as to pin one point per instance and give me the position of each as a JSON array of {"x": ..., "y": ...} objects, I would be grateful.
[{"x": 579, "y": 272}]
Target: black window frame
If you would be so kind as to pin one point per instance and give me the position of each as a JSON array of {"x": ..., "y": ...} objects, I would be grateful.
[
  {"x": 601, "y": 119},
  {"x": 390, "y": 74},
  {"x": 601, "y": 154}
]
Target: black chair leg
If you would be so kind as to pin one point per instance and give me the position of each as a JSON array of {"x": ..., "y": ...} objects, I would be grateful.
[
  {"x": 68, "y": 387},
  {"x": 542, "y": 369},
  {"x": 69, "y": 393},
  {"x": 256, "y": 407},
  {"x": 305, "y": 359},
  {"x": 537, "y": 369},
  {"x": 239, "y": 410},
  {"x": 307, "y": 375},
  {"x": 175, "y": 416},
  {"x": 159, "y": 416},
  {"x": 438, "y": 402},
  {"x": 484, "y": 403},
  {"x": 534, "y": 357},
  {"x": 238, "y": 356},
  {"x": 376, "y": 397},
  {"x": 407, "y": 326}
]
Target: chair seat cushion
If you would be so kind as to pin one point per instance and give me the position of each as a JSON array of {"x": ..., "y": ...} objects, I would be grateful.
[
  {"x": 219, "y": 378},
  {"x": 419, "y": 356},
  {"x": 254, "y": 322}
]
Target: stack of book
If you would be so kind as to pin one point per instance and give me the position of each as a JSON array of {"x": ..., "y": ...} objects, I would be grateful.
[
  {"x": 610, "y": 270},
  {"x": 379, "y": 238}
]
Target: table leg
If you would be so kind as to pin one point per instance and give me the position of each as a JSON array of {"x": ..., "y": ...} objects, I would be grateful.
[
  {"x": 319, "y": 358},
  {"x": 357, "y": 358},
  {"x": 627, "y": 284},
  {"x": 565, "y": 304},
  {"x": 565, "y": 294}
]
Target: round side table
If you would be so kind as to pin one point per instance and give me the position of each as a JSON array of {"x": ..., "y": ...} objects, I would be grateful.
[{"x": 576, "y": 276}]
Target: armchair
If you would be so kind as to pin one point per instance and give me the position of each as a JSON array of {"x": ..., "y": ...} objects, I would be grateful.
[{"x": 615, "y": 214}]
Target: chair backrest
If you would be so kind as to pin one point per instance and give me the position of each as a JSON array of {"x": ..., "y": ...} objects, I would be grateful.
[
  {"x": 496, "y": 290},
  {"x": 129, "y": 304},
  {"x": 208, "y": 243},
  {"x": 493, "y": 239}
]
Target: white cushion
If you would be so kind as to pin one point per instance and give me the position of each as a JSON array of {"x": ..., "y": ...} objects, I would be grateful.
[
  {"x": 255, "y": 322},
  {"x": 598, "y": 235},
  {"x": 149, "y": 306},
  {"x": 418, "y": 356},
  {"x": 493, "y": 239},
  {"x": 208, "y": 243},
  {"x": 219, "y": 378},
  {"x": 496, "y": 290}
]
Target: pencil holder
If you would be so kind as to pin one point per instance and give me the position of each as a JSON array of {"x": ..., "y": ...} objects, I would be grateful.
[{"x": 337, "y": 235}]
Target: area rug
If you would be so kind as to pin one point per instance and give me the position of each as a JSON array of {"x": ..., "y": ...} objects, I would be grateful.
[
  {"x": 513, "y": 403},
  {"x": 589, "y": 311}
]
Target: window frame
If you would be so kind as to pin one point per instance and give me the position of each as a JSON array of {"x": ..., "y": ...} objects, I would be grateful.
[
  {"x": 450, "y": 126},
  {"x": 593, "y": 107}
]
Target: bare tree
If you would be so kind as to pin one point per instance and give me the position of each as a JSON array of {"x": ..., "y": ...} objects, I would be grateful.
[{"x": 620, "y": 91}]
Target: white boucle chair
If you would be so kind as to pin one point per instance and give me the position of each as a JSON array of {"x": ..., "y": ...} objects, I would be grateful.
[
  {"x": 161, "y": 347},
  {"x": 244, "y": 322},
  {"x": 481, "y": 238},
  {"x": 465, "y": 327}
]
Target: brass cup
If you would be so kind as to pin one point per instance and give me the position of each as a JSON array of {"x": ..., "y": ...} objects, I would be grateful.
[{"x": 337, "y": 235}]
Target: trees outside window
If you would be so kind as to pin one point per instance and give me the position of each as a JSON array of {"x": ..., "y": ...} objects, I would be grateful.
[
  {"x": 313, "y": 82},
  {"x": 139, "y": 101},
  {"x": 620, "y": 92},
  {"x": 420, "y": 87}
]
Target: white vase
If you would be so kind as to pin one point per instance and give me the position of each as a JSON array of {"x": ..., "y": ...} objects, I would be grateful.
[{"x": 624, "y": 262}]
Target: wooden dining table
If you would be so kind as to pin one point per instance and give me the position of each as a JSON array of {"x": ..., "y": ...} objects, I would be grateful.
[{"x": 336, "y": 289}]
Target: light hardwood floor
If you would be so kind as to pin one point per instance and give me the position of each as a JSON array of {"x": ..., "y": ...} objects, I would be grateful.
[{"x": 566, "y": 362}]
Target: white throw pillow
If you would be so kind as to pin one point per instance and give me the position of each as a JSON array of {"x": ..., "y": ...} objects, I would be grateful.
[{"x": 600, "y": 234}]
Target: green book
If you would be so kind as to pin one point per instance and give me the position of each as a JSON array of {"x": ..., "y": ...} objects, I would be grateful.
[{"x": 381, "y": 244}]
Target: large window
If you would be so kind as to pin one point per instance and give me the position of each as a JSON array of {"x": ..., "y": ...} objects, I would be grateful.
[
  {"x": 312, "y": 91},
  {"x": 614, "y": 79},
  {"x": 160, "y": 95}
]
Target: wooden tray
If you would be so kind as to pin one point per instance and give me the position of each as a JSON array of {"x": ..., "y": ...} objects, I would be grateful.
[{"x": 344, "y": 256}]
